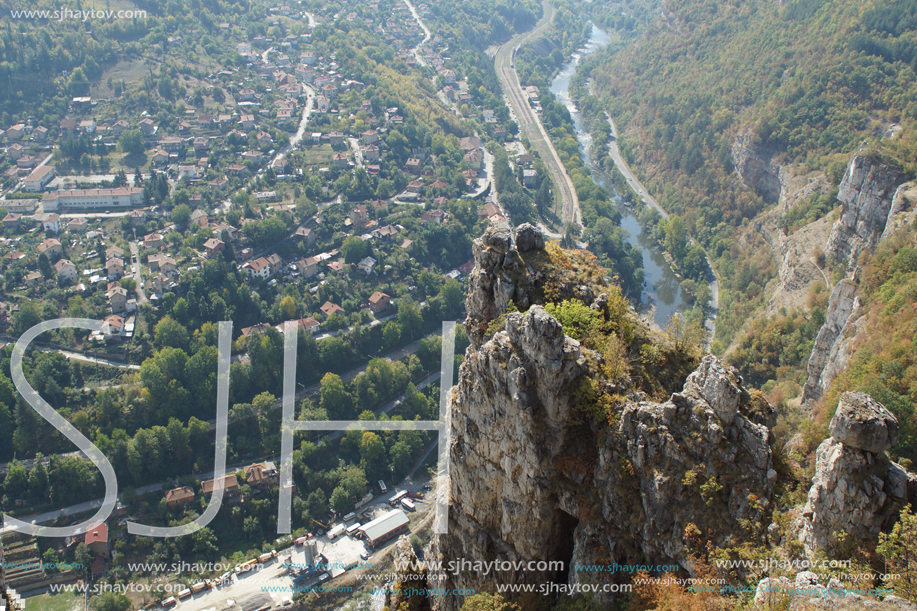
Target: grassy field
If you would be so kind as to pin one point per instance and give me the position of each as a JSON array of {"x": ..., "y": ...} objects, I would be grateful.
[
  {"x": 317, "y": 155},
  {"x": 63, "y": 601}
]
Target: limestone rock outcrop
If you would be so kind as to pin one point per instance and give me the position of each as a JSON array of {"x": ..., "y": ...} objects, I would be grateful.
[
  {"x": 528, "y": 237},
  {"x": 862, "y": 422},
  {"x": 856, "y": 489},
  {"x": 534, "y": 478},
  {"x": 755, "y": 167},
  {"x": 874, "y": 203},
  {"x": 866, "y": 193},
  {"x": 832, "y": 348}
]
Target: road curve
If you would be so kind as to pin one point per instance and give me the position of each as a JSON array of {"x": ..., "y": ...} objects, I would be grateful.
[{"x": 529, "y": 123}]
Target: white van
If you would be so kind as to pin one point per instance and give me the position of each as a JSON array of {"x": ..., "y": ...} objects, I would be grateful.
[
  {"x": 382, "y": 487},
  {"x": 350, "y": 516}
]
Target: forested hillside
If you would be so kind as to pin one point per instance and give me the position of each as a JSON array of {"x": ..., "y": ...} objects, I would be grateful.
[{"x": 823, "y": 78}]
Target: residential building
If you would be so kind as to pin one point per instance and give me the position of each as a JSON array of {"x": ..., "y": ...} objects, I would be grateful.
[
  {"x": 152, "y": 240},
  {"x": 259, "y": 268},
  {"x": 329, "y": 308},
  {"x": 262, "y": 475},
  {"x": 115, "y": 268},
  {"x": 117, "y": 297},
  {"x": 475, "y": 159},
  {"x": 147, "y": 127},
  {"x": 66, "y": 270},
  {"x": 78, "y": 224},
  {"x": 51, "y": 223},
  {"x": 358, "y": 216},
  {"x": 179, "y": 497},
  {"x": 50, "y": 247},
  {"x": 306, "y": 235},
  {"x": 378, "y": 301},
  {"x": 366, "y": 265},
  {"x": 229, "y": 483},
  {"x": 413, "y": 166},
  {"x": 11, "y": 220},
  {"x": 97, "y": 539},
  {"x": 112, "y": 326},
  {"x": 214, "y": 246}
]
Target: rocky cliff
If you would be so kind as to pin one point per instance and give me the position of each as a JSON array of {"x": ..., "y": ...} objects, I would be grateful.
[
  {"x": 874, "y": 202},
  {"x": 756, "y": 168},
  {"x": 537, "y": 476},
  {"x": 856, "y": 489},
  {"x": 866, "y": 193},
  {"x": 834, "y": 342}
]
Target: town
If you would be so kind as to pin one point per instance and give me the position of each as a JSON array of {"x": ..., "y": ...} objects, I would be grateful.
[{"x": 298, "y": 181}]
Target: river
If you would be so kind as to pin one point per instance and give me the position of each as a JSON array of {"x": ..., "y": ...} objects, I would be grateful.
[{"x": 663, "y": 291}]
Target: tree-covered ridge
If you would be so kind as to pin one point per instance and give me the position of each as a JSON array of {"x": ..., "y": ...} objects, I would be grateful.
[
  {"x": 479, "y": 23},
  {"x": 683, "y": 92}
]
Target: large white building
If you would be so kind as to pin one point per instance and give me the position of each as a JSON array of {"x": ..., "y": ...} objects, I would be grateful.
[
  {"x": 123, "y": 197},
  {"x": 38, "y": 179}
]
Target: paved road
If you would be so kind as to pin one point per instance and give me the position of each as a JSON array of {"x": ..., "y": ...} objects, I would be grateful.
[
  {"x": 634, "y": 182},
  {"x": 426, "y": 33},
  {"x": 82, "y": 357},
  {"x": 529, "y": 123},
  {"x": 135, "y": 256}
]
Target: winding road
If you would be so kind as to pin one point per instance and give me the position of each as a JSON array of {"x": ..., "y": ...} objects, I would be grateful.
[{"x": 529, "y": 123}]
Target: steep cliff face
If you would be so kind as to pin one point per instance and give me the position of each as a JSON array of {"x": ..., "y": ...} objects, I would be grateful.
[
  {"x": 535, "y": 478},
  {"x": 834, "y": 341},
  {"x": 874, "y": 203},
  {"x": 866, "y": 193},
  {"x": 755, "y": 167}
]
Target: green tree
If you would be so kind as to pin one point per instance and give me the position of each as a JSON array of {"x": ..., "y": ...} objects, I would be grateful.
[
  {"x": 409, "y": 318},
  {"x": 168, "y": 332},
  {"x": 131, "y": 142},
  {"x": 27, "y": 317},
  {"x": 354, "y": 248},
  {"x": 340, "y": 500},
  {"x": 83, "y": 557},
  {"x": 899, "y": 548},
  {"x": 391, "y": 334},
  {"x": 44, "y": 266},
  {"x": 181, "y": 215},
  {"x": 335, "y": 399},
  {"x": 372, "y": 452},
  {"x": 452, "y": 296}
]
